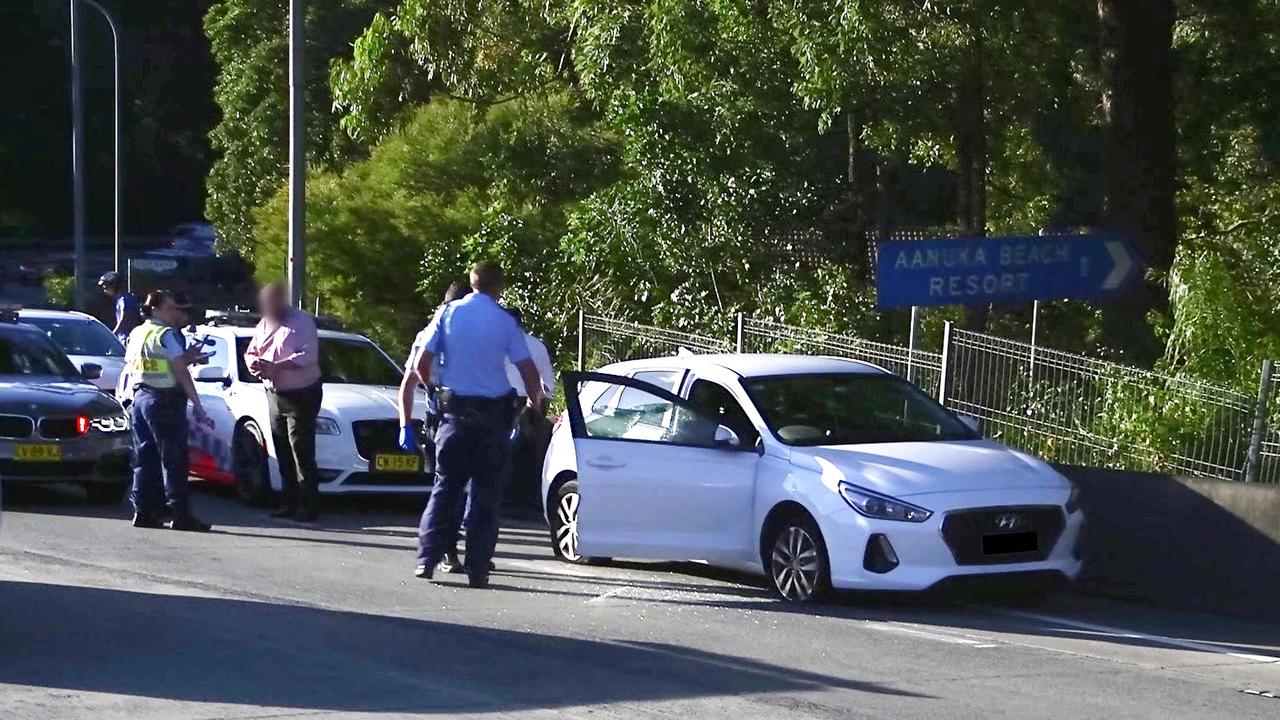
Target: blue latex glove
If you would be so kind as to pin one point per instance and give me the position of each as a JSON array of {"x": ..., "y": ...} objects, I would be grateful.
[{"x": 408, "y": 440}]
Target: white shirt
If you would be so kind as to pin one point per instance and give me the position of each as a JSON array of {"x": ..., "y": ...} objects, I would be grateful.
[{"x": 541, "y": 360}]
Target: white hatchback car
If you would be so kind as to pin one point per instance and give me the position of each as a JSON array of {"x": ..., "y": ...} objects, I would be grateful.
[
  {"x": 818, "y": 473},
  {"x": 84, "y": 339},
  {"x": 356, "y": 435}
]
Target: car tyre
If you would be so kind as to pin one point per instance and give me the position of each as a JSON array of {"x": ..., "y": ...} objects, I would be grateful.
[
  {"x": 564, "y": 526},
  {"x": 795, "y": 558},
  {"x": 252, "y": 474},
  {"x": 106, "y": 493}
]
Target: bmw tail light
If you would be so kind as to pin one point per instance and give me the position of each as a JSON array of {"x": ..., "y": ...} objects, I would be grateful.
[{"x": 82, "y": 425}]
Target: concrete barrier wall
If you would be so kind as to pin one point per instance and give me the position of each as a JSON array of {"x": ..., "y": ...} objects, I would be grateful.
[{"x": 1181, "y": 542}]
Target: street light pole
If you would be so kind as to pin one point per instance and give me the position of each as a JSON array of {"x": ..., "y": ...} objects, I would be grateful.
[
  {"x": 77, "y": 163},
  {"x": 297, "y": 157},
  {"x": 119, "y": 189}
]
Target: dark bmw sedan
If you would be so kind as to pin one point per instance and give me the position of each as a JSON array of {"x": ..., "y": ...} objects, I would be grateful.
[{"x": 55, "y": 425}]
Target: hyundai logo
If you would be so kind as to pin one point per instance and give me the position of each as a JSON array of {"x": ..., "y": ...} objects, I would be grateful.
[{"x": 1009, "y": 521}]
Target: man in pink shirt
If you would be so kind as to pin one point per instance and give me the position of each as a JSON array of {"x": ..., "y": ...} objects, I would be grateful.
[{"x": 285, "y": 354}]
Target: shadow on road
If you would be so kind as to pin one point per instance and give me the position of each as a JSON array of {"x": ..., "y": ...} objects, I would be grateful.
[{"x": 197, "y": 649}]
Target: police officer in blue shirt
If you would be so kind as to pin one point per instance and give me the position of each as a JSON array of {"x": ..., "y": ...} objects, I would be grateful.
[{"x": 472, "y": 338}]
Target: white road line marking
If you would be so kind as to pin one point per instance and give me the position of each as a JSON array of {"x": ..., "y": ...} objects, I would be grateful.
[
  {"x": 931, "y": 635},
  {"x": 1134, "y": 635},
  {"x": 609, "y": 594}
]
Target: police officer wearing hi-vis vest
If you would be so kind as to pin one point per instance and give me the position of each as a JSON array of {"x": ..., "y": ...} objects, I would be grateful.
[
  {"x": 156, "y": 360},
  {"x": 472, "y": 338}
]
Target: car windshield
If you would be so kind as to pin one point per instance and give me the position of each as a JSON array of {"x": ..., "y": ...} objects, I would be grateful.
[
  {"x": 30, "y": 354},
  {"x": 358, "y": 362},
  {"x": 78, "y": 336},
  {"x": 847, "y": 409}
]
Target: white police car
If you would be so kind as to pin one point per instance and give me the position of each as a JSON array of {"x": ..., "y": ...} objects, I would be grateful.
[
  {"x": 356, "y": 435},
  {"x": 815, "y": 472}
]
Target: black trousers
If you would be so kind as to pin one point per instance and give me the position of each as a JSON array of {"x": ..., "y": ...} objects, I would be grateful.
[
  {"x": 471, "y": 450},
  {"x": 293, "y": 428}
]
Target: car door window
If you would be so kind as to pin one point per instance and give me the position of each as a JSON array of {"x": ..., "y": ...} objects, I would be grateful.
[
  {"x": 647, "y": 413},
  {"x": 219, "y": 352},
  {"x": 665, "y": 379},
  {"x": 716, "y": 402}
]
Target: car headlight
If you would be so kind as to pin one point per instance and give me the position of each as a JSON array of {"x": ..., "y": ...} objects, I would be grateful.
[
  {"x": 1073, "y": 500},
  {"x": 881, "y": 507},
  {"x": 327, "y": 426},
  {"x": 110, "y": 423}
]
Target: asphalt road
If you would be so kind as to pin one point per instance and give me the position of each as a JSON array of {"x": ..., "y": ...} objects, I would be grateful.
[{"x": 265, "y": 619}]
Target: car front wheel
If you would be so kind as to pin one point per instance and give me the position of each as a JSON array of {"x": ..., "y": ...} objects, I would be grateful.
[
  {"x": 564, "y": 526},
  {"x": 249, "y": 453},
  {"x": 796, "y": 558}
]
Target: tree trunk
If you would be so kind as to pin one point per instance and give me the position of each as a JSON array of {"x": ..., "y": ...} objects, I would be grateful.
[
  {"x": 971, "y": 158},
  {"x": 1139, "y": 168}
]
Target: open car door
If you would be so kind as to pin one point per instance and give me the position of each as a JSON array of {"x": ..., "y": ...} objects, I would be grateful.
[{"x": 657, "y": 478}]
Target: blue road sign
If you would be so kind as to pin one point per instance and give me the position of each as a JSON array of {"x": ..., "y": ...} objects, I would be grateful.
[{"x": 971, "y": 271}]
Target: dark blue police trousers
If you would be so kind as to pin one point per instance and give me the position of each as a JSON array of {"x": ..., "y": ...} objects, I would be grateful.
[
  {"x": 471, "y": 448},
  {"x": 158, "y": 421}
]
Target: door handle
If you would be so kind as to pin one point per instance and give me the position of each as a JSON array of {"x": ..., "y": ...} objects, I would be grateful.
[{"x": 605, "y": 464}]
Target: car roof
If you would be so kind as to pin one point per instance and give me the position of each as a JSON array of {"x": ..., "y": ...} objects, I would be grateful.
[
  {"x": 750, "y": 365},
  {"x": 42, "y": 313},
  {"x": 13, "y": 329},
  {"x": 246, "y": 332}
]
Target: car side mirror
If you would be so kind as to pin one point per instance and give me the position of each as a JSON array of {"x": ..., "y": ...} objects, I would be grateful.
[
  {"x": 91, "y": 371},
  {"x": 727, "y": 438},
  {"x": 972, "y": 422},
  {"x": 212, "y": 373}
]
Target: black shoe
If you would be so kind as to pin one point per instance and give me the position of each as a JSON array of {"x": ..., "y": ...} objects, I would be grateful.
[
  {"x": 451, "y": 564},
  {"x": 284, "y": 513},
  {"x": 478, "y": 581},
  {"x": 306, "y": 517},
  {"x": 189, "y": 523},
  {"x": 146, "y": 521},
  {"x": 424, "y": 572}
]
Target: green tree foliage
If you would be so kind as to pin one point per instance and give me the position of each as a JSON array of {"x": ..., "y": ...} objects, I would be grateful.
[
  {"x": 455, "y": 184},
  {"x": 756, "y": 149},
  {"x": 249, "y": 40}
]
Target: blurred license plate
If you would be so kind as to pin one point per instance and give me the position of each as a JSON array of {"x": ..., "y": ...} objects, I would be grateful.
[
  {"x": 397, "y": 463},
  {"x": 1022, "y": 542},
  {"x": 35, "y": 452}
]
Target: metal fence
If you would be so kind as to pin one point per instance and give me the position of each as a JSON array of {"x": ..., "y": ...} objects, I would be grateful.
[
  {"x": 919, "y": 366},
  {"x": 1078, "y": 410},
  {"x": 603, "y": 340},
  {"x": 1060, "y": 406}
]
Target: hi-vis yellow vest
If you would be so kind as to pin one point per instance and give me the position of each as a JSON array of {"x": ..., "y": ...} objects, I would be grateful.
[{"x": 146, "y": 359}]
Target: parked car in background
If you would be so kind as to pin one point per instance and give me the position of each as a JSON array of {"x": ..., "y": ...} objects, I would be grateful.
[
  {"x": 356, "y": 435},
  {"x": 56, "y": 426},
  {"x": 818, "y": 473},
  {"x": 84, "y": 339},
  {"x": 193, "y": 238}
]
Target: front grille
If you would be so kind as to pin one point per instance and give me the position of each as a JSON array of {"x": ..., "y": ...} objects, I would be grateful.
[
  {"x": 58, "y": 428},
  {"x": 384, "y": 479},
  {"x": 964, "y": 531},
  {"x": 46, "y": 470},
  {"x": 379, "y": 436},
  {"x": 15, "y": 426}
]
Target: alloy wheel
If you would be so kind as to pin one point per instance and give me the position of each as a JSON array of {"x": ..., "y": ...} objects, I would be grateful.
[
  {"x": 567, "y": 530},
  {"x": 795, "y": 564}
]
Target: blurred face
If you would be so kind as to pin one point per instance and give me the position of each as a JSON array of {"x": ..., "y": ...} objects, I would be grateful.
[
  {"x": 109, "y": 290},
  {"x": 271, "y": 302},
  {"x": 169, "y": 313}
]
